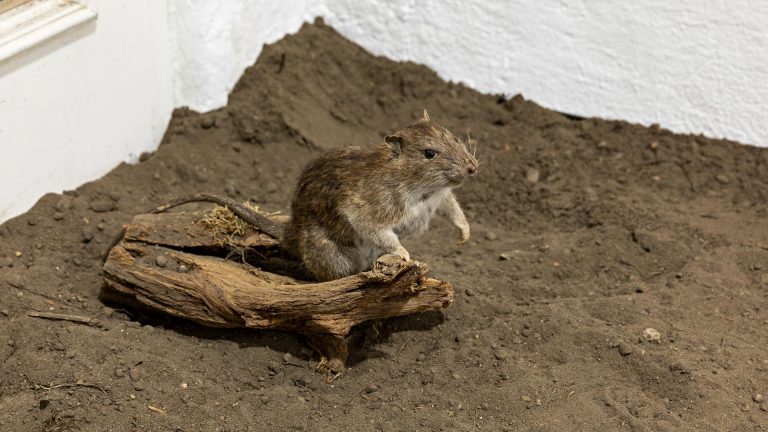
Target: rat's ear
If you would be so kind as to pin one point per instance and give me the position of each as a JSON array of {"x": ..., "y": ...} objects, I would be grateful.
[
  {"x": 426, "y": 115},
  {"x": 395, "y": 143}
]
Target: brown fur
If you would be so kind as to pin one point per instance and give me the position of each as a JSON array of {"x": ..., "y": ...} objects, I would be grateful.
[{"x": 353, "y": 204}]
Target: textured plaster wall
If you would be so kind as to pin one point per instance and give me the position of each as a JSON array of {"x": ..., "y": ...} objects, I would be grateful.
[
  {"x": 696, "y": 66},
  {"x": 214, "y": 41}
]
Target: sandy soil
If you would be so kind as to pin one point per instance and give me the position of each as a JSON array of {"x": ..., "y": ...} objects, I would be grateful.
[{"x": 585, "y": 233}]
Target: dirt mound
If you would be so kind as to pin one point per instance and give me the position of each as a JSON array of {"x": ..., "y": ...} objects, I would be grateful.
[{"x": 586, "y": 233}]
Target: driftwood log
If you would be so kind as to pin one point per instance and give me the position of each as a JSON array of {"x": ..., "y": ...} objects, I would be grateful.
[{"x": 173, "y": 263}]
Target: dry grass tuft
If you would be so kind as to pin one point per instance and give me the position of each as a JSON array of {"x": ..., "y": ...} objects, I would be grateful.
[{"x": 225, "y": 225}]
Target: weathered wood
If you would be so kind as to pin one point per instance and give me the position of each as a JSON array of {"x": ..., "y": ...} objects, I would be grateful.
[
  {"x": 220, "y": 293},
  {"x": 150, "y": 267},
  {"x": 252, "y": 216},
  {"x": 187, "y": 230}
]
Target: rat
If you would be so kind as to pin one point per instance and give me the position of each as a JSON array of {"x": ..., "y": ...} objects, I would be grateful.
[{"x": 353, "y": 204}]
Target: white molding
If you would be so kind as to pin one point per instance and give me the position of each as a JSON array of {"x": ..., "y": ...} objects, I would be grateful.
[{"x": 35, "y": 22}]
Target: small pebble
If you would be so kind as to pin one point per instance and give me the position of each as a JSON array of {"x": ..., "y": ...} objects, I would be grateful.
[
  {"x": 161, "y": 261},
  {"x": 57, "y": 216},
  {"x": 133, "y": 396},
  {"x": 207, "y": 122},
  {"x": 532, "y": 175},
  {"x": 87, "y": 234},
  {"x": 507, "y": 256},
  {"x": 491, "y": 236},
  {"x": 525, "y": 398},
  {"x": 371, "y": 389},
  {"x": 287, "y": 358},
  {"x": 102, "y": 204},
  {"x": 625, "y": 349},
  {"x": 32, "y": 221},
  {"x": 183, "y": 268},
  {"x": 764, "y": 406},
  {"x": 757, "y": 397},
  {"x": 722, "y": 178},
  {"x": 678, "y": 367},
  {"x": 65, "y": 203},
  {"x": 651, "y": 335},
  {"x": 184, "y": 385},
  {"x": 119, "y": 372},
  {"x": 138, "y": 386},
  {"x": 144, "y": 156},
  {"x": 135, "y": 374},
  {"x": 484, "y": 406},
  {"x": 273, "y": 366}
]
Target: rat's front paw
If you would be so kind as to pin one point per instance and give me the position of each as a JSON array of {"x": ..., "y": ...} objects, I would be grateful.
[
  {"x": 464, "y": 233},
  {"x": 402, "y": 253}
]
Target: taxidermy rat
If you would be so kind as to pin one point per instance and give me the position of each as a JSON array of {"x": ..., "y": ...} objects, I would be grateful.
[{"x": 353, "y": 204}]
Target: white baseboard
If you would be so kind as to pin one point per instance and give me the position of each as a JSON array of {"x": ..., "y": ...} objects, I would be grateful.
[{"x": 34, "y": 22}]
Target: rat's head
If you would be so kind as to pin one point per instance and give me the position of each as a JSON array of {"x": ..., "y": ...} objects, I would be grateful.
[{"x": 431, "y": 154}]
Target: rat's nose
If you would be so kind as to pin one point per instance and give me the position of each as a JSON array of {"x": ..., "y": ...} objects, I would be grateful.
[{"x": 472, "y": 169}]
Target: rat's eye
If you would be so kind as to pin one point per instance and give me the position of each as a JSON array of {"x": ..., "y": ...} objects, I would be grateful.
[{"x": 429, "y": 153}]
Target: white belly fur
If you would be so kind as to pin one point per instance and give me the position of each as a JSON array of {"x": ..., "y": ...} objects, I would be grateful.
[{"x": 419, "y": 212}]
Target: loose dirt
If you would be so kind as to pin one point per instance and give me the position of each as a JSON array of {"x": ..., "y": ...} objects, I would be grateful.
[{"x": 586, "y": 234}]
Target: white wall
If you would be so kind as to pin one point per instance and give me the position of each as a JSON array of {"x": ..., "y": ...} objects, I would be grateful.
[
  {"x": 73, "y": 108},
  {"x": 696, "y": 66},
  {"x": 213, "y": 42}
]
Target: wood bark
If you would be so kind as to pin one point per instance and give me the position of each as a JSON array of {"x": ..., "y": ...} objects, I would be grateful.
[{"x": 162, "y": 262}]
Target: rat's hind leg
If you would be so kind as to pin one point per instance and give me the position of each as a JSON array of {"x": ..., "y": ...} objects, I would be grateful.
[{"x": 323, "y": 258}]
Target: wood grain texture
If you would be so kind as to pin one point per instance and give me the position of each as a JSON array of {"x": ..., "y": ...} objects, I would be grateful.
[{"x": 151, "y": 267}]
